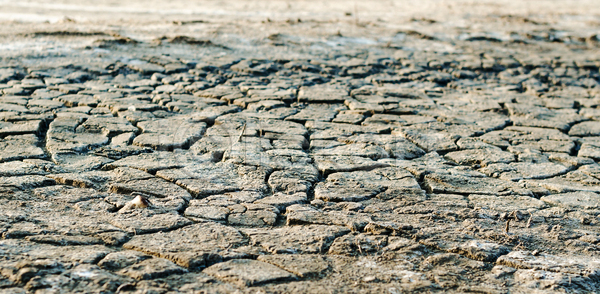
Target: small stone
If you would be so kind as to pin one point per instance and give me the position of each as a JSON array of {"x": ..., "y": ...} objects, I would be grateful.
[{"x": 138, "y": 202}]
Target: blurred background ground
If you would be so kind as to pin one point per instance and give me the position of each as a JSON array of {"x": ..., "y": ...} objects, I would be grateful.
[{"x": 303, "y": 27}]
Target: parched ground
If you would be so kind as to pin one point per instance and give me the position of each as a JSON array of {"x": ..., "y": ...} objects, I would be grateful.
[{"x": 299, "y": 147}]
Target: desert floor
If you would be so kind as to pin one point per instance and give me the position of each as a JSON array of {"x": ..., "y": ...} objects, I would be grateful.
[{"x": 299, "y": 146}]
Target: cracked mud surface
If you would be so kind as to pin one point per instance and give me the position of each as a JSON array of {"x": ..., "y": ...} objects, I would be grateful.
[{"x": 300, "y": 148}]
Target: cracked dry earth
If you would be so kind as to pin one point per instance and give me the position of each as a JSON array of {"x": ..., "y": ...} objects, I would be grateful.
[{"x": 367, "y": 168}]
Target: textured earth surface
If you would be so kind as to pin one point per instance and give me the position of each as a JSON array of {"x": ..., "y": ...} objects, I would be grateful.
[{"x": 300, "y": 147}]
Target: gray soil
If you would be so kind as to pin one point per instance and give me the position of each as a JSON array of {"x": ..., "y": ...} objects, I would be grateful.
[{"x": 299, "y": 147}]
